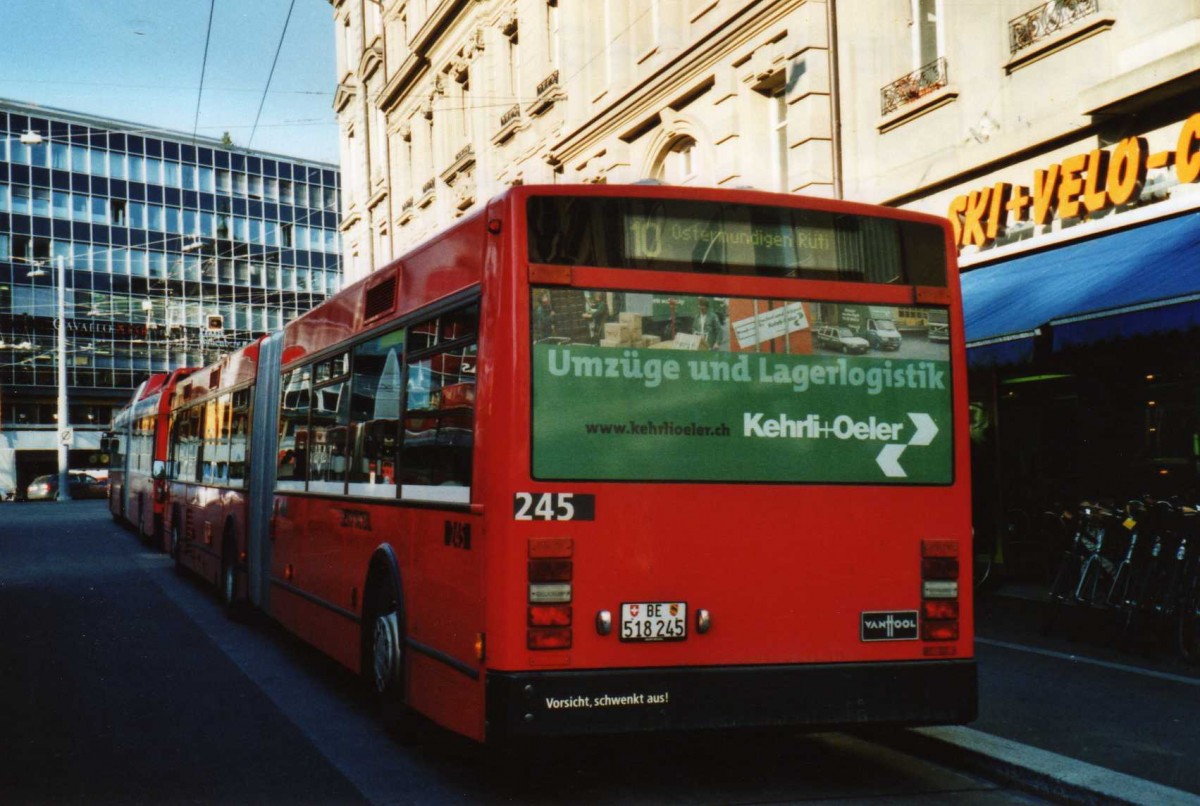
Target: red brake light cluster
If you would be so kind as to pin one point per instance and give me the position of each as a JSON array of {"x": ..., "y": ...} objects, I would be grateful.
[
  {"x": 939, "y": 590},
  {"x": 551, "y": 569}
]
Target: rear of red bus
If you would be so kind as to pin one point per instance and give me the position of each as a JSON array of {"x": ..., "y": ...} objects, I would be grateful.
[{"x": 719, "y": 504}]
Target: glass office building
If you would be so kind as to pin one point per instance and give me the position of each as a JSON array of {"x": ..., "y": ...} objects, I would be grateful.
[{"x": 175, "y": 249}]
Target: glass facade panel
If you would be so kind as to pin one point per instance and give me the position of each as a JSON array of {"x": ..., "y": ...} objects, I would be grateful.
[
  {"x": 79, "y": 159},
  {"x": 41, "y": 201},
  {"x": 107, "y": 203}
]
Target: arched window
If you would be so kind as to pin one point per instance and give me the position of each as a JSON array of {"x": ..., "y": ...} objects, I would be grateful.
[{"x": 680, "y": 164}]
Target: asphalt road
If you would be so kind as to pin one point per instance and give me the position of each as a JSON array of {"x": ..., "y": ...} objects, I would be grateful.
[
  {"x": 1134, "y": 709},
  {"x": 121, "y": 682}
]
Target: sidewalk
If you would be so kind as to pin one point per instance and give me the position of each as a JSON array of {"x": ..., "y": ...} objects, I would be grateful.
[{"x": 1076, "y": 695}]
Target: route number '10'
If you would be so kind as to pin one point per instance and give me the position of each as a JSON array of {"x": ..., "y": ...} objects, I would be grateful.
[{"x": 554, "y": 507}]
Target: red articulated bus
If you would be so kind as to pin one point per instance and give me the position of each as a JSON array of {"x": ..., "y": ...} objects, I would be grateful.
[
  {"x": 137, "y": 444},
  {"x": 605, "y": 459},
  {"x": 206, "y": 472}
]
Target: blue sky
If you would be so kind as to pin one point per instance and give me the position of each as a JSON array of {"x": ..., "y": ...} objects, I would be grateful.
[{"x": 141, "y": 61}]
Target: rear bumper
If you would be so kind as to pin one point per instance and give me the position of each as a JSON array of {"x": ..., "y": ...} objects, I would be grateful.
[{"x": 562, "y": 703}]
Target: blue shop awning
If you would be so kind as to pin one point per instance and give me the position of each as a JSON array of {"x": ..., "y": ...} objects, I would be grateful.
[{"x": 1137, "y": 281}]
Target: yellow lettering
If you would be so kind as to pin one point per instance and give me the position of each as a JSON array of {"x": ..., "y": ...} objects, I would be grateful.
[
  {"x": 1071, "y": 186},
  {"x": 1045, "y": 187},
  {"x": 1127, "y": 172},
  {"x": 977, "y": 206},
  {"x": 998, "y": 214},
  {"x": 958, "y": 206},
  {"x": 1018, "y": 205},
  {"x": 1095, "y": 197},
  {"x": 1187, "y": 153}
]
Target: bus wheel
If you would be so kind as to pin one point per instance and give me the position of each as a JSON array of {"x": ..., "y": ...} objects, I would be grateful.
[
  {"x": 141, "y": 532},
  {"x": 234, "y": 607},
  {"x": 177, "y": 546},
  {"x": 383, "y": 661}
]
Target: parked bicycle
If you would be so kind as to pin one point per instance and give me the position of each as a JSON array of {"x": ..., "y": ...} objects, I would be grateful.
[{"x": 1138, "y": 561}]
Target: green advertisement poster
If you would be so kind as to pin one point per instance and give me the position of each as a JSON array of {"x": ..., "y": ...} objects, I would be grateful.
[{"x": 623, "y": 412}]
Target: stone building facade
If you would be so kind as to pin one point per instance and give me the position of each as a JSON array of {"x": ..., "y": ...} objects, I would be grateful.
[{"x": 444, "y": 104}]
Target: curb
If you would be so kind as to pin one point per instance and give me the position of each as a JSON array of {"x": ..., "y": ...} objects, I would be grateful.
[{"x": 1039, "y": 772}]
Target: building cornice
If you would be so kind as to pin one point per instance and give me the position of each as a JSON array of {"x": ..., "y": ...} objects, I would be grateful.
[
  {"x": 416, "y": 63},
  {"x": 407, "y": 74},
  {"x": 641, "y": 104},
  {"x": 372, "y": 59},
  {"x": 343, "y": 96},
  {"x": 143, "y": 130}
]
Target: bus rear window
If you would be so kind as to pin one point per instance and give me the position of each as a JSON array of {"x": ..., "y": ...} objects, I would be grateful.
[
  {"x": 675, "y": 387},
  {"x": 728, "y": 238}
]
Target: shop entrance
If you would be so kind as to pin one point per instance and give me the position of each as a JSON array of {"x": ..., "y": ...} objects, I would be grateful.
[{"x": 1110, "y": 423}]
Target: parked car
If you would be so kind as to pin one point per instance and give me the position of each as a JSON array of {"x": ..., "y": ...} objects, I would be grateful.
[
  {"x": 80, "y": 485},
  {"x": 836, "y": 337},
  {"x": 882, "y": 334}
]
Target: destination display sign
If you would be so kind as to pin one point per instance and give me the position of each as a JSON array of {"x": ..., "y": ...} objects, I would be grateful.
[{"x": 690, "y": 235}]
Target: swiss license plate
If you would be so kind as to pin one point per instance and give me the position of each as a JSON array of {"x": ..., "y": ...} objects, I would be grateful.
[{"x": 653, "y": 621}]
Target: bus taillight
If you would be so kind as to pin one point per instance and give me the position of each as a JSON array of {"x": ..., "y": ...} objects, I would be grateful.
[
  {"x": 551, "y": 570},
  {"x": 549, "y": 638},
  {"x": 939, "y": 590},
  {"x": 550, "y": 616}
]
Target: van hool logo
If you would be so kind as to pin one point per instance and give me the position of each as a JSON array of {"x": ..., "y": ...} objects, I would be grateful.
[{"x": 890, "y": 626}]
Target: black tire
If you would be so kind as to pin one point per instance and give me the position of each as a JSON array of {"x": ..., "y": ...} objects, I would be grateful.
[
  {"x": 1187, "y": 632},
  {"x": 235, "y": 607},
  {"x": 983, "y": 568},
  {"x": 177, "y": 546},
  {"x": 383, "y": 657},
  {"x": 1088, "y": 591},
  {"x": 141, "y": 513}
]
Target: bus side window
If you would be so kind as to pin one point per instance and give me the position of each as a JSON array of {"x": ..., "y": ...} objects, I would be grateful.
[
  {"x": 210, "y": 446},
  {"x": 292, "y": 460},
  {"x": 439, "y": 417},
  {"x": 327, "y": 447},
  {"x": 373, "y": 417},
  {"x": 239, "y": 440}
]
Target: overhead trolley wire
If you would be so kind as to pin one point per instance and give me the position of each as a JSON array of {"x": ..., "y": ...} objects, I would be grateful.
[
  {"x": 271, "y": 75},
  {"x": 203, "y": 69}
]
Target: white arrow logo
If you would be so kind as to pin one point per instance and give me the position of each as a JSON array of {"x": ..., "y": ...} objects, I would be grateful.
[
  {"x": 926, "y": 429},
  {"x": 889, "y": 458}
]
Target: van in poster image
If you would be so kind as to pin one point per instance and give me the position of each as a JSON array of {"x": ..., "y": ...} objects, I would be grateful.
[{"x": 882, "y": 334}]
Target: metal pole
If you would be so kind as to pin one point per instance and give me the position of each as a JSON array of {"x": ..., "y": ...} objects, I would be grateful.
[{"x": 65, "y": 436}]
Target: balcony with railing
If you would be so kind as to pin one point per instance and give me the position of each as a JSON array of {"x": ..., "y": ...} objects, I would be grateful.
[
  {"x": 915, "y": 85},
  {"x": 464, "y": 158},
  {"x": 549, "y": 92},
  {"x": 427, "y": 191},
  {"x": 510, "y": 124},
  {"x": 1046, "y": 20},
  {"x": 1051, "y": 27}
]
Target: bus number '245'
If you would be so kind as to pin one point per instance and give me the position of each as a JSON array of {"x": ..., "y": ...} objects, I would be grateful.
[{"x": 554, "y": 507}]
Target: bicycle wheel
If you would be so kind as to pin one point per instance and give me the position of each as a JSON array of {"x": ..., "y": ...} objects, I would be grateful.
[
  {"x": 1188, "y": 625},
  {"x": 984, "y": 555},
  {"x": 983, "y": 568},
  {"x": 1089, "y": 591}
]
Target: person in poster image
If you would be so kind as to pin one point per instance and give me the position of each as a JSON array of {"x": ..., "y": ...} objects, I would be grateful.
[
  {"x": 543, "y": 318},
  {"x": 596, "y": 313},
  {"x": 707, "y": 325}
]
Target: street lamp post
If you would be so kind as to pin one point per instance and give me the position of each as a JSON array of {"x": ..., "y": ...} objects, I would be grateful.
[{"x": 65, "y": 434}]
